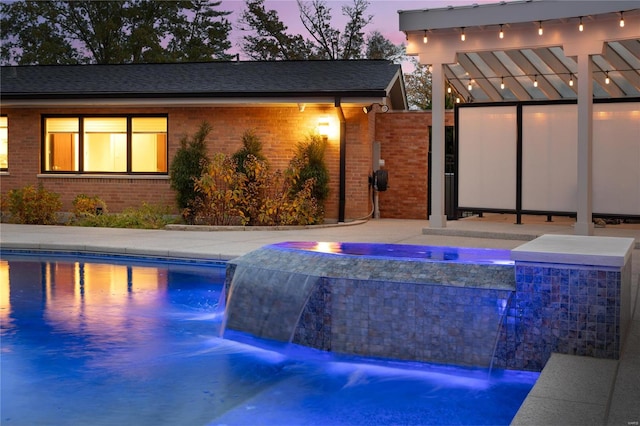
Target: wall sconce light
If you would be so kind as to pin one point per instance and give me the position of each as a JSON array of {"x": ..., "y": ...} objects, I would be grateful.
[
  {"x": 368, "y": 109},
  {"x": 301, "y": 107},
  {"x": 323, "y": 126}
]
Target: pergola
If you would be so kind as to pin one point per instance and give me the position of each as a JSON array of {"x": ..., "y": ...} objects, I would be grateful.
[{"x": 527, "y": 51}]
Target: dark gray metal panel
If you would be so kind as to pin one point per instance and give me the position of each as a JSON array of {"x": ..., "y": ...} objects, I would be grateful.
[
  {"x": 543, "y": 84},
  {"x": 510, "y": 83},
  {"x": 561, "y": 71},
  {"x": 480, "y": 80}
]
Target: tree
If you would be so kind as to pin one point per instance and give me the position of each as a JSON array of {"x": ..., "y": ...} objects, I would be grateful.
[
  {"x": 203, "y": 37},
  {"x": 329, "y": 43},
  {"x": 418, "y": 87},
  {"x": 113, "y": 32},
  {"x": 379, "y": 47},
  {"x": 271, "y": 41}
]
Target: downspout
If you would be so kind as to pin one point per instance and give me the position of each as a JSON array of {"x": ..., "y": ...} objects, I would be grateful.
[{"x": 343, "y": 161}]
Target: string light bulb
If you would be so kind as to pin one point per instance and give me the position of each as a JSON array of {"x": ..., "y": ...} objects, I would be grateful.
[
  {"x": 457, "y": 100},
  {"x": 425, "y": 39},
  {"x": 501, "y": 32},
  {"x": 581, "y": 27},
  {"x": 535, "y": 81},
  {"x": 462, "y": 36},
  {"x": 448, "y": 89},
  {"x": 502, "y": 83},
  {"x": 621, "y": 19},
  {"x": 606, "y": 77},
  {"x": 469, "y": 86},
  {"x": 540, "y": 29},
  {"x": 571, "y": 80}
]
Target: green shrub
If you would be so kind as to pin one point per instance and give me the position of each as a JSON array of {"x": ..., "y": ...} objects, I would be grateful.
[
  {"x": 271, "y": 199},
  {"x": 189, "y": 163},
  {"x": 84, "y": 206},
  {"x": 281, "y": 206},
  {"x": 220, "y": 192},
  {"x": 32, "y": 206},
  {"x": 148, "y": 216},
  {"x": 257, "y": 197},
  {"x": 260, "y": 189},
  {"x": 243, "y": 190},
  {"x": 310, "y": 164},
  {"x": 251, "y": 146}
]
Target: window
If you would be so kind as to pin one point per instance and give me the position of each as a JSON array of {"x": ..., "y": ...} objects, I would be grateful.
[
  {"x": 61, "y": 146},
  {"x": 149, "y": 144},
  {"x": 4, "y": 144},
  {"x": 125, "y": 144}
]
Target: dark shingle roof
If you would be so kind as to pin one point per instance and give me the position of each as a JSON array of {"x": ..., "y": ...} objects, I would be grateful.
[{"x": 210, "y": 79}]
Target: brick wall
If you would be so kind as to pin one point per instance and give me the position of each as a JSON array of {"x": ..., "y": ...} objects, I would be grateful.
[
  {"x": 279, "y": 129},
  {"x": 404, "y": 146}
]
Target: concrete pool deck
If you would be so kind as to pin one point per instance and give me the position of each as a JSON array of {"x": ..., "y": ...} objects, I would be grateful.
[{"x": 571, "y": 390}]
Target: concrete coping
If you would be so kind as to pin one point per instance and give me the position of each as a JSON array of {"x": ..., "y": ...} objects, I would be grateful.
[{"x": 576, "y": 250}]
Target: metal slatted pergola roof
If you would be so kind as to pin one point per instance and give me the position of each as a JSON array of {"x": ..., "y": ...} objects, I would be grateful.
[
  {"x": 525, "y": 51},
  {"x": 537, "y": 68}
]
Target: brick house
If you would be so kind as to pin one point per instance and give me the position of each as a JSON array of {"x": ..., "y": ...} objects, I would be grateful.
[{"x": 112, "y": 130}]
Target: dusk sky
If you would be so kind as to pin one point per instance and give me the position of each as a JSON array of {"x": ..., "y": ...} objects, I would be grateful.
[{"x": 385, "y": 14}]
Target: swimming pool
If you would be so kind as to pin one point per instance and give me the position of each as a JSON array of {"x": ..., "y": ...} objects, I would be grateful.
[{"x": 123, "y": 341}]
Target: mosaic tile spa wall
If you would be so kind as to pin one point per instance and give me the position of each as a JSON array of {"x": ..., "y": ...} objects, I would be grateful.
[
  {"x": 569, "y": 309},
  {"x": 515, "y": 315}
]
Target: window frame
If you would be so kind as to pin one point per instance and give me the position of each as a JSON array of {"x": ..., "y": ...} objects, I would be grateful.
[
  {"x": 129, "y": 132},
  {"x": 6, "y": 169}
]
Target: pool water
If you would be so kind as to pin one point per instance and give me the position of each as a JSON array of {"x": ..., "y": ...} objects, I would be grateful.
[
  {"x": 109, "y": 341},
  {"x": 405, "y": 251}
]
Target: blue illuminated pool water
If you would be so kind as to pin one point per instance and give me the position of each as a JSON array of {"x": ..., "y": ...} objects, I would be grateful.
[
  {"x": 406, "y": 251},
  {"x": 111, "y": 341}
]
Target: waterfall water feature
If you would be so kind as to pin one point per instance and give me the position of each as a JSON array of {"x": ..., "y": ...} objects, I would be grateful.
[
  {"x": 395, "y": 305},
  {"x": 267, "y": 303},
  {"x": 501, "y": 324}
]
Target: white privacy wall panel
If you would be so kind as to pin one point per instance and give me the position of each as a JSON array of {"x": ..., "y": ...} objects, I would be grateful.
[
  {"x": 616, "y": 158},
  {"x": 487, "y": 149},
  {"x": 549, "y": 157}
]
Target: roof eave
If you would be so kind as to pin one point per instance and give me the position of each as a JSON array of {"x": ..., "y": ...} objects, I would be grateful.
[
  {"x": 66, "y": 101},
  {"x": 505, "y": 12},
  {"x": 210, "y": 95}
]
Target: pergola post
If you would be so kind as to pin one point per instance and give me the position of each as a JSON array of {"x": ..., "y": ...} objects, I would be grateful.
[
  {"x": 584, "y": 221},
  {"x": 437, "y": 219}
]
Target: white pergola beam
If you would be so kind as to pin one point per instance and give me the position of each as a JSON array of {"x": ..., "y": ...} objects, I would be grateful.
[{"x": 481, "y": 24}]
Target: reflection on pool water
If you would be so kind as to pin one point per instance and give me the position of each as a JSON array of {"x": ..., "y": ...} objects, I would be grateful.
[{"x": 110, "y": 341}]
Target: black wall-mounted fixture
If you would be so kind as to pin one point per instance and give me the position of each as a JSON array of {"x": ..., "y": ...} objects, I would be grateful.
[{"x": 367, "y": 109}]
